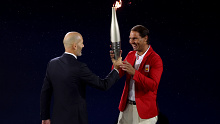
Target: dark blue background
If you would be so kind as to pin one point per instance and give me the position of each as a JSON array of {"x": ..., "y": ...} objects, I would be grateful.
[{"x": 184, "y": 33}]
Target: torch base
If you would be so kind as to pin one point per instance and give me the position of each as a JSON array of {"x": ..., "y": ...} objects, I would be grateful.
[{"x": 116, "y": 48}]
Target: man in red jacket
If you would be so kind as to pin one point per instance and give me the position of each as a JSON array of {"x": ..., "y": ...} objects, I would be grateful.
[{"x": 143, "y": 68}]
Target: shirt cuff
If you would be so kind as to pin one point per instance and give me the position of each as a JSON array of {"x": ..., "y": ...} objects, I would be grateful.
[{"x": 116, "y": 70}]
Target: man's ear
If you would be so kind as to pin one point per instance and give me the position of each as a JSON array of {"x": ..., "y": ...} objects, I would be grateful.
[{"x": 74, "y": 46}]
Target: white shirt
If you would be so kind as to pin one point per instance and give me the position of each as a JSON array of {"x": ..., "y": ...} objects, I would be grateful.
[
  {"x": 71, "y": 54},
  {"x": 131, "y": 95}
]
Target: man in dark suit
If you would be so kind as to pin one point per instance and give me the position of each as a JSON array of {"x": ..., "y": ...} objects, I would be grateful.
[{"x": 66, "y": 78}]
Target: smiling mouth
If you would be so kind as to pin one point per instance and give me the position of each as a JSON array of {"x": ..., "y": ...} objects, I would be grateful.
[{"x": 134, "y": 46}]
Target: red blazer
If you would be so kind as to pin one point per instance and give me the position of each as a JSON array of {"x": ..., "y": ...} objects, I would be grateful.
[{"x": 147, "y": 79}]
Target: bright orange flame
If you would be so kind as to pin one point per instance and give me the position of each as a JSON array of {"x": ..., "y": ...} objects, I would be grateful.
[{"x": 117, "y": 4}]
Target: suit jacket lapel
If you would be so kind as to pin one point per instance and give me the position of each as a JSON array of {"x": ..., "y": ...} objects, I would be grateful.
[
  {"x": 131, "y": 60},
  {"x": 145, "y": 59}
]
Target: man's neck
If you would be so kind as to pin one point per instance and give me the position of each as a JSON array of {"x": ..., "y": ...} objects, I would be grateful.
[
  {"x": 70, "y": 51},
  {"x": 143, "y": 51}
]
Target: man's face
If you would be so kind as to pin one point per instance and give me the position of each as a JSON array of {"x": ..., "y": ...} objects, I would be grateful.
[
  {"x": 137, "y": 42},
  {"x": 80, "y": 45}
]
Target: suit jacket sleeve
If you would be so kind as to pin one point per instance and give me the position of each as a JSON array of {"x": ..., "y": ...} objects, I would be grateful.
[
  {"x": 45, "y": 98},
  {"x": 121, "y": 72},
  {"x": 150, "y": 82},
  {"x": 90, "y": 78}
]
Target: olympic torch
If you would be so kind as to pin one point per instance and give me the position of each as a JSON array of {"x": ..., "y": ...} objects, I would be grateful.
[{"x": 115, "y": 33}]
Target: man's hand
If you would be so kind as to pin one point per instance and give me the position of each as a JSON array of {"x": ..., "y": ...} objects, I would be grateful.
[
  {"x": 118, "y": 62},
  {"x": 112, "y": 55},
  {"x": 46, "y": 121},
  {"x": 126, "y": 66}
]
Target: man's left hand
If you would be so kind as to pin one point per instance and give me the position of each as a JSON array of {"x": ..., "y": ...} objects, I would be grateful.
[{"x": 126, "y": 66}]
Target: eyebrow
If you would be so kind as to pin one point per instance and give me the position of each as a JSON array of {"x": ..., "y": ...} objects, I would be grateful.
[{"x": 133, "y": 38}]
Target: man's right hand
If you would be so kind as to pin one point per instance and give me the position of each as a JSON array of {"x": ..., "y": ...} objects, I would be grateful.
[
  {"x": 46, "y": 121},
  {"x": 117, "y": 62}
]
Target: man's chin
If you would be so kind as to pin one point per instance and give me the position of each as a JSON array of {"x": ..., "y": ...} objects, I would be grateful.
[{"x": 134, "y": 49}]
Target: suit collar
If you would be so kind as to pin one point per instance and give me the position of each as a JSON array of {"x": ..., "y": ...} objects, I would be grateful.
[
  {"x": 71, "y": 54},
  {"x": 148, "y": 52},
  {"x": 68, "y": 56},
  {"x": 144, "y": 59},
  {"x": 142, "y": 54}
]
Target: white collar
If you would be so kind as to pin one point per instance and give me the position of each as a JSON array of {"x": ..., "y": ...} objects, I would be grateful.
[
  {"x": 71, "y": 54},
  {"x": 144, "y": 52}
]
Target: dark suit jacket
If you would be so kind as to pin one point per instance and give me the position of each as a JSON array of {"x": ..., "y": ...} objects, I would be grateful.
[{"x": 66, "y": 78}]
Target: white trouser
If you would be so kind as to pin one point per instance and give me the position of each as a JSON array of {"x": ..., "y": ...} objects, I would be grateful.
[{"x": 130, "y": 116}]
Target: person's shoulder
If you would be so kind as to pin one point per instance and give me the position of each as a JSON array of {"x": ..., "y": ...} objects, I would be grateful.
[
  {"x": 155, "y": 56},
  {"x": 131, "y": 53},
  {"x": 52, "y": 62},
  {"x": 55, "y": 59},
  {"x": 78, "y": 65},
  {"x": 81, "y": 64}
]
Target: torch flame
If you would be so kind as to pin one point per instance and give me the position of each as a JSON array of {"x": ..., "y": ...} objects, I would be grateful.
[{"x": 117, "y": 4}]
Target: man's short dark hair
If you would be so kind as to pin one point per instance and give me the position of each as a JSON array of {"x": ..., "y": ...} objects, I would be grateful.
[{"x": 142, "y": 31}]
